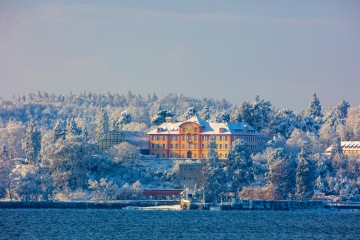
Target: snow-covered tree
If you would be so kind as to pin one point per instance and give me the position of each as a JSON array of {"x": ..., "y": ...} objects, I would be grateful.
[
  {"x": 314, "y": 108},
  {"x": 102, "y": 122},
  {"x": 284, "y": 122},
  {"x": 71, "y": 127},
  {"x": 282, "y": 177},
  {"x": 240, "y": 166},
  {"x": 341, "y": 110},
  {"x": 256, "y": 113},
  {"x": 33, "y": 143},
  {"x": 305, "y": 173},
  {"x": 125, "y": 118},
  {"x": 206, "y": 113},
  {"x": 190, "y": 112},
  {"x": 213, "y": 174},
  {"x": 59, "y": 130},
  {"x": 160, "y": 116}
]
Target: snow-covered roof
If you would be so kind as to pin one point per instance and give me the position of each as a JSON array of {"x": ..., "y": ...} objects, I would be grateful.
[
  {"x": 346, "y": 145},
  {"x": 206, "y": 127}
]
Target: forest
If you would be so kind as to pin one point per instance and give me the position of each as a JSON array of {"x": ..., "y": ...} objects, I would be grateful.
[{"x": 48, "y": 148}]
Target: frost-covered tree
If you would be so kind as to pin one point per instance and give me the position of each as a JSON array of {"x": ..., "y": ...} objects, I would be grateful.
[
  {"x": 314, "y": 108},
  {"x": 125, "y": 118},
  {"x": 213, "y": 174},
  {"x": 71, "y": 127},
  {"x": 225, "y": 117},
  {"x": 102, "y": 124},
  {"x": 282, "y": 177},
  {"x": 341, "y": 110},
  {"x": 240, "y": 166},
  {"x": 59, "y": 130},
  {"x": 256, "y": 113},
  {"x": 33, "y": 143},
  {"x": 206, "y": 113},
  {"x": 305, "y": 173},
  {"x": 160, "y": 116},
  {"x": 190, "y": 112},
  {"x": 284, "y": 122}
]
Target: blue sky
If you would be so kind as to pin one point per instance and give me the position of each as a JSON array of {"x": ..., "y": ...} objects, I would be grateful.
[{"x": 281, "y": 50}]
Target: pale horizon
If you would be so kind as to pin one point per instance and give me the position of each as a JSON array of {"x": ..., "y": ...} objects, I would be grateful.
[{"x": 235, "y": 50}]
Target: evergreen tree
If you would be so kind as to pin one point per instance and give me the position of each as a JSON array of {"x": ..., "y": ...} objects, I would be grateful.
[
  {"x": 102, "y": 122},
  {"x": 189, "y": 113},
  {"x": 282, "y": 176},
  {"x": 33, "y": 143},
  {"x": 4, "y": 152},
  {"x": 305, "y": 174},
  {"x": 71, "y": 127},
  {"x": 59, "y": 130},
  {"x": 225, "y": 117},
  {"x": 206, "y": 113},
  {"x": 160, "y": 116},
  {"x": 238, "y": 118},
  {"x": 314, "y": 108},
  {"x": 213, "y": 175},
  {"x": 341, "y": 109},
  {"x": 125, "y": 118},
  {"x": 240, "y": 166}
]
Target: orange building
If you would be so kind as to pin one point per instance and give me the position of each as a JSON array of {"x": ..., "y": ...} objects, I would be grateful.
[
  {"x": 348, "y": 148},
  {"x": 189, "y": 139}
]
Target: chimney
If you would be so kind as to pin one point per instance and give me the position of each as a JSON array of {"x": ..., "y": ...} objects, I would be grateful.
[{"x": 169, "y": 120}]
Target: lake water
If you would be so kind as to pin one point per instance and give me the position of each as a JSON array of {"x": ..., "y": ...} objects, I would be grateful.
[{"x": 155, "y": 224}]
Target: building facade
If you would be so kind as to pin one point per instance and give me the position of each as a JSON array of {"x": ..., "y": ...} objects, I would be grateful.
[
  {"x": 189, "y": 139},
  {"x": 348, "y": 148}
]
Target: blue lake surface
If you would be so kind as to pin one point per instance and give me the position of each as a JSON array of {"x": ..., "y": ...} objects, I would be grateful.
[{"x": 157, "y": 224}]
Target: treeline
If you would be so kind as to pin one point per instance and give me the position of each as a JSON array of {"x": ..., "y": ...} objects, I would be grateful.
[{"x": 56, "y": 135}]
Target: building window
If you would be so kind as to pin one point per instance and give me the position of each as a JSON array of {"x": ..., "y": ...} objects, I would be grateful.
[
  {"x": 171, "y": 145},
  {"x": 189, "y": 146},
  {"x": 152, "y": 137},
  {"x": 220, "y": 155},
  {"x": 163, "y": 137},
  {"x": 202, "y": 146},
  {"x": 226, "y": 138},
  {"x": 157, "y": 146},
  {"x": 183, "y": 146},
  {"x": 226, "y": 146},
  {"x": 163, "y": 146},
  {"x": 163, "y": 155},
  {"x": 220, "y": 138},
  {"x": 183, "y": 137},
  {"x": 202, "y": 155},
  {"x": 220, "y": 146},
  {"x": 195, "y": 146},
  {"x": 226, "y": 155},
  {"x": 195, "y": 138},
  {"x": 195, "y": 130},
  {"x": 157, "y": 137},
  {"x": 176, "y": 146},
  {"x": 195, "y": 155},
  {"x": 152, "y": 146}
]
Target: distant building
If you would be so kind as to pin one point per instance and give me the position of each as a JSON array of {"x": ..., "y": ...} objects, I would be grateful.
[
  {"x": 189, "y": 139},
  {"x": 348, "y": 148},
  {"x": 114, "y": 137},
  {"x": 189, "y": 175},
  {"x": 162, "y": 194},
  {"x": 318, "y": 195}
]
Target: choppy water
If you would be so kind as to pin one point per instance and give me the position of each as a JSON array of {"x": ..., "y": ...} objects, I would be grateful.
[{"x": 136, "y": 224}]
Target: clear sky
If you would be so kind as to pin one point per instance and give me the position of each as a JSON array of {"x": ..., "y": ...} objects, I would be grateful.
[{"x": 282, "y": 50}]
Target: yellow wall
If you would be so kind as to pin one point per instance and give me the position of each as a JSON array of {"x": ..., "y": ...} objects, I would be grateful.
[{"x": 177, "y": 145}]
